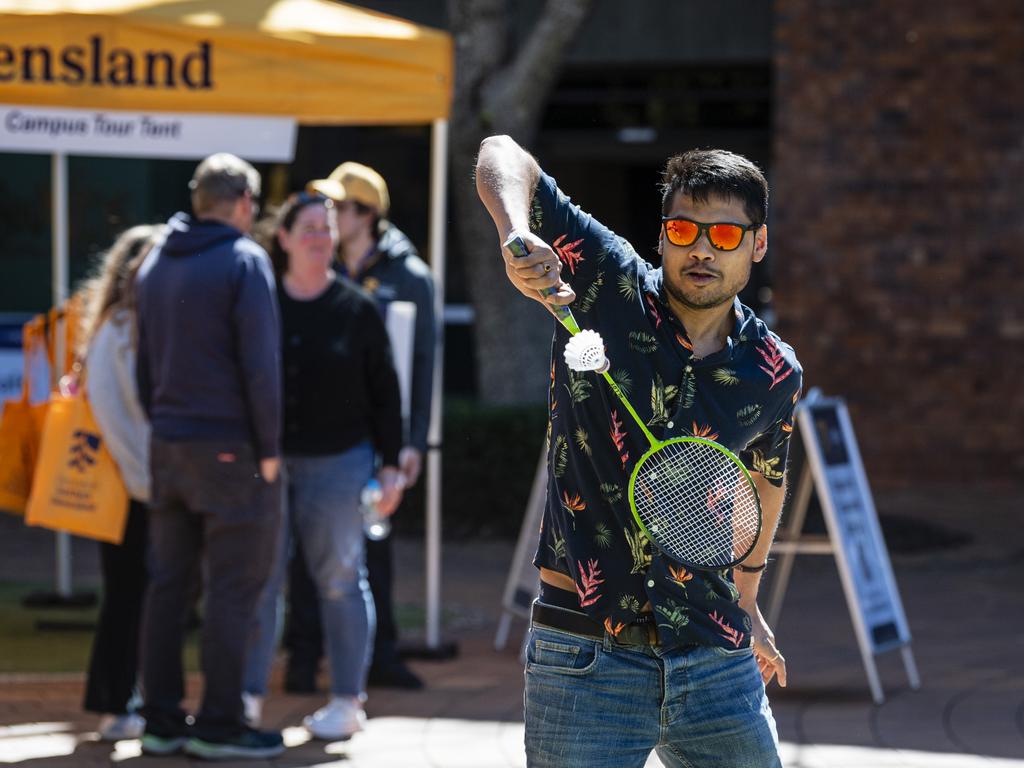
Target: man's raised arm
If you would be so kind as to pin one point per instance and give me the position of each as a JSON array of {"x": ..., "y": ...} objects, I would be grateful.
[{"x": 506, "y": 176}]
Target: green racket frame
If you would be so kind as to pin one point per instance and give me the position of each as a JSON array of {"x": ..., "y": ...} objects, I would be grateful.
[{"x": 657, "y": 445}]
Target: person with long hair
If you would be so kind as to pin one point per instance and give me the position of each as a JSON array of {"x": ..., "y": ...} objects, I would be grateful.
[
  {"x": 107, "y": 345},
  {"x": 342, "y": 416}
]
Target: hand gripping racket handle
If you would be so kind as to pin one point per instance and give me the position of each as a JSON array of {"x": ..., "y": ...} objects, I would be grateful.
[{"x": 517, "y": 246}]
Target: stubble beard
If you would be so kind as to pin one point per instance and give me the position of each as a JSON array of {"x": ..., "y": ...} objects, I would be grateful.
[{"x": 708, "y": 300}]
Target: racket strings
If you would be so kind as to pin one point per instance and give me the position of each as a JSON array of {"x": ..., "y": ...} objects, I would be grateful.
[{"x": 697, "y": 504}]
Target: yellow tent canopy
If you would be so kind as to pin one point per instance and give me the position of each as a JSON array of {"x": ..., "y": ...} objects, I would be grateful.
[
  {"x": 313, "y": 61},
  {"x": 319, "y": 62}
]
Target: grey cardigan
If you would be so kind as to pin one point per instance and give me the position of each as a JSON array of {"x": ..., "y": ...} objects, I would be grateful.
[{"x": 114, "y": 397}]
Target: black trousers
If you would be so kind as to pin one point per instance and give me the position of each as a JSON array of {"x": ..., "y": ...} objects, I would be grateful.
[
  {"x": 114, "y": 664},
  {"x": 211, "y": 509},
  {"x": 303, "y": 634}
]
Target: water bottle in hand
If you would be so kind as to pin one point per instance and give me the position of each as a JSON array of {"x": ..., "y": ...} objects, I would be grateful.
[{"x": 375, "y": 525}]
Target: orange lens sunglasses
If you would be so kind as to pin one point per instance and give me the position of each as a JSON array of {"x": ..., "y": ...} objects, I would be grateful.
[{"x": 723, "y": 235}]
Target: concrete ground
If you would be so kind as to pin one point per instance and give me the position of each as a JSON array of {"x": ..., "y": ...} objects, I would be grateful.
[{"x": 965, "y": 608}]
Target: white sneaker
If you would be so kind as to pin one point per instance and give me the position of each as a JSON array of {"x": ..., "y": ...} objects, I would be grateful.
[
  {"x": 120, "y": 727},
  {"x": 342, "y": 717},
  {"x": 252, "y": 708}
]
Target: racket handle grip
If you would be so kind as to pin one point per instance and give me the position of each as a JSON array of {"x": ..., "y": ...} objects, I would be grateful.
[{"x": 517, "y": 247}]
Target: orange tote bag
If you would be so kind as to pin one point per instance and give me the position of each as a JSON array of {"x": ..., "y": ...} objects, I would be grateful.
[
  {"x": 77, "y": 486},
  {"x": 20, "y": 428}
]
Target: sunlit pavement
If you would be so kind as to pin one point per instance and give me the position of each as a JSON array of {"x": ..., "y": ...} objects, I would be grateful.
[
  {"x": 966, "y": 612},
  {"x": 408, "y": 742}
]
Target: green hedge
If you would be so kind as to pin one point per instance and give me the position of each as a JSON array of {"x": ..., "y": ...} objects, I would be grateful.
[{"x": 489, "y": 456}]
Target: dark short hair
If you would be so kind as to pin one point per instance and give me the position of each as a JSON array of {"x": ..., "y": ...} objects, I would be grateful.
[{"x": 701, "y": 173}]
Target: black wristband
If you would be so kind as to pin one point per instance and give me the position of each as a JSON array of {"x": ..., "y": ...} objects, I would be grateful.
[{"x": 752, "y": 568}]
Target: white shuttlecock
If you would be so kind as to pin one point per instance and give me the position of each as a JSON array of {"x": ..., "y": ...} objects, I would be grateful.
[{"x": 585, "y": 352}]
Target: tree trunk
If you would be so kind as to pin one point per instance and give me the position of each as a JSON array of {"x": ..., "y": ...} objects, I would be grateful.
[{"x": 501, "y": 87}]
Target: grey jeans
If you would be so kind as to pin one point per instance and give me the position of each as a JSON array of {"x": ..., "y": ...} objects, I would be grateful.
[{"x": 212, "y": 513}]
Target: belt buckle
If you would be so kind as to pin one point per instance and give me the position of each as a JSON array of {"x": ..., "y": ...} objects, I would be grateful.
[
  {"x": 650, "y": 630},
  {"x": 643, "y": 633}
]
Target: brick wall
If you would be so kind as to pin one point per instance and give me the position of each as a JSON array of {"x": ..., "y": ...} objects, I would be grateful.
[{"x": 898, "y": 225}]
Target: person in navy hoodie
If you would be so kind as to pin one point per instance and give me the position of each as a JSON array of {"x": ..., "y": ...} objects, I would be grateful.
[{"x": 209, "y": 377}]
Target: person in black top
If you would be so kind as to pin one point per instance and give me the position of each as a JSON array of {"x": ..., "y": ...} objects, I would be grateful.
[
  {"x": 629, "y": 651},
  {"x": 380, "y": 258},
  {"x": 341, "y": 410}
]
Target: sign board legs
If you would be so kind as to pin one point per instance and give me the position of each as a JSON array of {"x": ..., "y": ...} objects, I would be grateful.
[
  {"x": 523, "y": 581},
  {"x": 789, "y": 546}
]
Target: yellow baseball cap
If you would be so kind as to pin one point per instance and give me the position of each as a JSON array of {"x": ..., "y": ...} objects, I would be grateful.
[
  {"x": 327, "y": 187},
  {"x": 355, "y": 181}
]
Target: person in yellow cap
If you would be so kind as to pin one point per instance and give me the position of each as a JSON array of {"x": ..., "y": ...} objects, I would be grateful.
[{"x": 379, "y": 257}]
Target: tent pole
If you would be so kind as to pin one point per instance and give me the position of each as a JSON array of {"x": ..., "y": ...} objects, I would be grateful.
[
  {"x": 438, "y": 229},
  {"x": 62, "y": 594},
  {"x": 59, "y": 269}
]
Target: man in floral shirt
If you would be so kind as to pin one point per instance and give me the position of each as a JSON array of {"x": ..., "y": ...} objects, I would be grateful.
[{"x": 630, "y": 651}]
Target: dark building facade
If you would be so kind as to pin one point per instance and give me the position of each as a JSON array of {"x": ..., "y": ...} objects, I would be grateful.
[
  {"x": 892, "y": 135},
  {"x": 898, "y": 170}
]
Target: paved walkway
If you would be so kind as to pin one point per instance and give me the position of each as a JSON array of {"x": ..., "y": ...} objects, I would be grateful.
[{"x": 965, "y": 607}]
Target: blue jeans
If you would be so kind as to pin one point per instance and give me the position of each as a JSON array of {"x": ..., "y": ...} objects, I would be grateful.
[
  {"x": 323, "y": 512},
  {"x": 594, "y": 703}
]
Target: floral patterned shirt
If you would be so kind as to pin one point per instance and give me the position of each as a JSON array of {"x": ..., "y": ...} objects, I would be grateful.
[{"x": 743, "y": 396}]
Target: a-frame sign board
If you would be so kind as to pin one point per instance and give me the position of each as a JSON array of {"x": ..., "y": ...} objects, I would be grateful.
[{"x": 834, "y": 471}]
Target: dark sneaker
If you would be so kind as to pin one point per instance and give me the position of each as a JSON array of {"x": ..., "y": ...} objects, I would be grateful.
[
  {"x": 394, "y": 675},
  {"x": 245, "y": 744},
  {"x": 166, "y": 732},
  {"x": 162, "y": 745}
]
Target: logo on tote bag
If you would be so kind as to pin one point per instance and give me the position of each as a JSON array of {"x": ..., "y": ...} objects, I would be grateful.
[{"x": 84, "y": 447}]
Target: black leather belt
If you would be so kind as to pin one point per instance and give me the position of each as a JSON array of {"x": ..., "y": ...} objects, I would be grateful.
[{"x": 642, "y": 632}]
